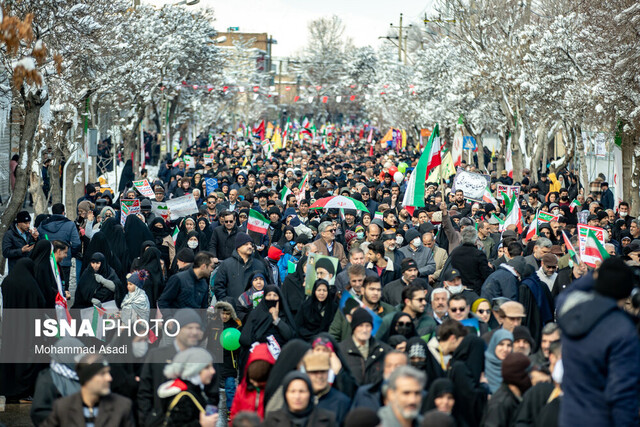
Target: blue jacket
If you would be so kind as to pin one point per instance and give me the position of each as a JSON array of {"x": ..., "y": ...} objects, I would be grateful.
[
  {"x": 607, "y": 199},
  {"x": 184, "y": 290},
  {"x": 59, "y": 227},
  {"x": 601, "y": 358},
  {"x": 500, "y": 283}
]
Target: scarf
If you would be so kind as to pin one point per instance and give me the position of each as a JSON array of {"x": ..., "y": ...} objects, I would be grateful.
[
  {"x": 64, "y": 378},
  {"x": 493, "y": 365},
  {"x": 135, "y": 305}
]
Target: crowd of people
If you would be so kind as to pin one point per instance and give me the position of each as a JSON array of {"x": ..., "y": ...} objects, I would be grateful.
[{"x": 431, "y": 316}]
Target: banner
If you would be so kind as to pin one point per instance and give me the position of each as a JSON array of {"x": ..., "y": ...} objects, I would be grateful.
[
  {"x": 182, "y": 206},
  {"x": 582, "y": 234},
  {"x": 208, "y": 158},
  {"x": 211, "y": 185},
  {"x": 128, "y": 207},
  {"x": 189, "y": 161},
  {"x": 160, "y": 209},
  {"x": 144, "y": 188},
  {"x": 510, "y": 190},
  {"x": 472, "y": 184}
]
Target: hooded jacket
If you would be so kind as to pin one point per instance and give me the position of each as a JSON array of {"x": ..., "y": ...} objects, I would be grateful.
[
  {"x": 59, "y": 227},
  {"x": 249, "y": 398},
  {"x": 601, "y": 355},
  {"x": 233, "y": 274}
]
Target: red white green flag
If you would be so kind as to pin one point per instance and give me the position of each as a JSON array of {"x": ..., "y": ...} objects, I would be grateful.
[
  {"x": 257, "y": 223},
  {"x": 570, "y": 249},
  {"x": 514, "y": 215},
  {"x": 574, "y": 204},
  {"x": 533, "y": 229},
  {"x": 594, "y": 248},
  {"x": 430, "y": 158}
]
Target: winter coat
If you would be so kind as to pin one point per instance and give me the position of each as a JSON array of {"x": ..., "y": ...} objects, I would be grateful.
[
  {"x": 223, "y": 243},
  {"x": 533, "y": 401},
  {"x": 368, "y": 396},
  {"x": 392, "y": 292},
  {"x": 472, "y": 264},
  {"x": 59, "y": 227},
  {"x": 336, "y": 402},
  {"x": 45, "y": 394},
  {"x": 12, "y": 244},
  {"x": 466, "y": 365},
  {"x": 601, "y": 355},
  {"x": 342, "y": 279},
  {"x": 318, "y": 417},
  {"x": 388, "y": 418},
  {"x": 184, "y": 412},
  {"x": 538, "y": 303},
  {"x": 606, "y": 199},
  {"x": 184, "y": 290},
  {"x": 390, "y": 273},
  {"x": 248, "y": 398},
  {"x": 149, "y": 404},
  {"x": 113, "y": 411},
  {"x": 233, "y": 274},
  {"x": 500, "y": 283},
  {"x": 423, "y": 258},
  {"x": 367, "y": 370},
  {"x": 501, "y": 409},
  {"x": 319, "y": 247}
]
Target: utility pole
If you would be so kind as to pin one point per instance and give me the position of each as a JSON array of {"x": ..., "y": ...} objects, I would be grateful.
[
  {"x": 400, "y": 40},
  {"x": 400, "y": 36}
]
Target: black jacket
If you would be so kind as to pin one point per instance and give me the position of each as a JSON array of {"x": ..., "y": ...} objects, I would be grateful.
[
  {"x": 502, "y": 408},
  {"x": 12, "y": 244},
  {"x": 149, "y": 404},
  {"x": 184, "y": 290},
  {"x": 367, "y": 370},
  {"x": 317, "y": 418},
  {"x": 222, "y": 243},
  {"x": 532, "y": 403},
  {"x": 45, "y": 394},
  {"x": 233, "y": 274},
  {"x": 467, "y": 364},
  {"x": 472, "y": 264}
]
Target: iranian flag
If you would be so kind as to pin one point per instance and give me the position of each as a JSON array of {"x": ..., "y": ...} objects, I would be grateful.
[
  {"x": 257, "y": 223},
  {"x": 541, "y": 218},
  {"x": 174, "y": 236},
  {"x": 570, "y": 249},
  {"x": 533, "y": 229},
  {"x": 430, "y": 158},
  {"x": 594, "y": 248},
  {"x": 487, "y": 197},
  {"x": 574, "y": 204},
  {"x": 284, "y": 193},
  {"x": 514, "y": 216}
]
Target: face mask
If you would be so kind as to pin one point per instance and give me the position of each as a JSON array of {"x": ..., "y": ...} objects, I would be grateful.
[
  {"x": 623, "y": 214},
  {"x": 556, "y": 211},
  {"x": 417, "y": 242},
  {"x": 139, "y": 348},
  {"x": 558, "y": 372},
  {"x": 399, "y": 240},
  {"x": 360, "y": 235},
  {"x": 270, "y": 303},
  {"x": 455, "y": 289},
  {"x": 192, "y": 244},
  {"x": 403, "y": 329},
  {"x": 419, "y": 364}
]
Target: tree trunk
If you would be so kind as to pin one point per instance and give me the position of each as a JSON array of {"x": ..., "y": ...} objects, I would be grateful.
[
  {"x": 31, "y": 103},
  {"x": 627, "y": 165},
  {"x": 584, "y": 177},
  {"x": 37, "y": 194},
  {"x": 635, "y": 179}
]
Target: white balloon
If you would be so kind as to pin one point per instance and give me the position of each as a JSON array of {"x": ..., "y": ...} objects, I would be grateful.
[{"x": 398, "y": 177}]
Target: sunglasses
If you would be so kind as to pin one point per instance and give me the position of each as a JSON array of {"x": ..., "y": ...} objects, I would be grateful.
[
  {"x": 333, "y": 230},
  {"x": 483, "y": 311},
  {"x": 403, "y": 323},
  {"x": 457, "y": 310},
  {"x": 229, "y": 222},
  {"x": 420, "y": 299}
]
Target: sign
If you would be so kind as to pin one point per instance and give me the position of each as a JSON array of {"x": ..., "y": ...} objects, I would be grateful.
[
  {"x": 144, "y": 188},
  {"x": 582, "y": 234},
  {"x": 472, "y": 184},
  {"x": 128, "y": 207},
  {"x": 211, "y": 185},
  {"x": 189, "y": 161},
  {"x": 509, "y": 190},
  {"x": 469, "y": 143},
  {"x": 160, "y": 209},
  {"x": 600, "y": 145},
  {"x": 182, "y": 206},
  {"x": 208, "y": 158},
  {"x": 320, "y": 267},
  {"x": 544, "y": 217}
]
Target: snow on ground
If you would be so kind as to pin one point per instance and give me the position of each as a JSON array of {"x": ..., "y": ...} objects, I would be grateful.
[{"x": 111, "y": 177}]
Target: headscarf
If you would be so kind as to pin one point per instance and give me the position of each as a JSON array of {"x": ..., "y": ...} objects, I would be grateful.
[
  {"x": 289, "y": 359},
  {"x": 135, "y": 305},
  {"x": 246, "y": 299},
  {"x": 43, "y": 272},
  {"x": 394, "y": 323},
  {"x": 493, "y": 365},
  {"x": 136, "y": 233},
  {"x": 207, "y": 231},
  {"x": 395, "y": 340},
  {"x": 261, "y": 320},
  {"x": 127, "y": 176},
  {"x": 293, "y": 286},
  {"x": 298, "y": 419},
  {"x": 88, "y": 286},
  {"x": 150, "y": 261},
  {"x": 118, "y": 244},
  {"x": 159, "y": 233},
  {"x": 438, "y": 388},
  {"x": 197, "y": 235},
  {"x": 315, "y": 316}
]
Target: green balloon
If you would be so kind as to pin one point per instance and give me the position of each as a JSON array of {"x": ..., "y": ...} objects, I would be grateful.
[
  {"x": 402, "y": 167},
  {"x": 230, "y": 339}
]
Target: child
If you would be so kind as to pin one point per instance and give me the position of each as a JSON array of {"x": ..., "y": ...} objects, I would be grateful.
[
  {"x": 228, "y": 369},
  {"x": 135, "y": 304}
]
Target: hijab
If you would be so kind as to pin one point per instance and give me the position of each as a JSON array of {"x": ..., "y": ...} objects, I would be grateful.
[
  {"x": 298, "y": 419},
  {"x": 262, "y": 320},
  {"x": 150, "y": 261},
  {"x": 136, "y": 233},
  {"x": 293, "y": 286},
  {"x": 43, "y": 272},
  {"x": 88, "y": 285},
  {"x": 315, "y": 316},
  {"x": 289, "y": 359},
  {"x": 438, "y": 388},
  {"x": 493, "y": 365},
  {"x": 410, "y": 331},
  {"x": 207, "y": 231},
  {"x": 159, "y": 233},
  {"x": 135, "y": 305}
]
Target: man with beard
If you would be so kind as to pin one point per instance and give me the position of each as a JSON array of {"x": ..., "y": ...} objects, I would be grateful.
[
  {"x": 534, "y": 294},
  {"x": 404, "y": 398},
  {"x": 414, "y": 302}
]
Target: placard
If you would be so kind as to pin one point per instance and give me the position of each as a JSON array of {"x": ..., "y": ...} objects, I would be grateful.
[
  {"x": 509, "y": 190},
  {"x": 582, "y": 235},
  {"x": 472, "y": 184},
  {"x": 128, "y": 207},
  {"x": 211, "y": 185},
  {"x": 208, "y": 158},
  {"x": 182, "y": 206},
  {"x": 324, "y": 264},
  {"x": 144, "y": 188},
  {"x": 160, "y": 209}
]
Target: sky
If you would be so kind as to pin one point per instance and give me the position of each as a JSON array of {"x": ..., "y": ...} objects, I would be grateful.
[{"x": 286, "y": 20}]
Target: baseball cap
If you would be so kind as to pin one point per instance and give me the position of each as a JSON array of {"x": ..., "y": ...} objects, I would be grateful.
[{"x": 451, "y": 274}]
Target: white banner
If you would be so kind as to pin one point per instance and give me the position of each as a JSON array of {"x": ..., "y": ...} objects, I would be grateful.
[
  {"x": 182, "y": 206},
  {"x": 472, "y": 184}
]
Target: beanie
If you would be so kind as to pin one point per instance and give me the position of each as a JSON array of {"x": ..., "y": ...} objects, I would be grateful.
[
  {"x": 359, "y": 317},
  {"x": 408, "y": 264},
  {"x": 185, "y": 255},
  {"x": 90, "y": 188},
  {"x": 615, "y": 279},
  {"x": 522, "y": 333},
  {"x": 86, "y": 371},
  {"x": 188, "y": 363},
  {"x": 23, "y": 216},
  {"x": 186, "y": 316},
  {"x": 138, "y": 278},
  {"x": 242, "y": 239},
  {"x": 411, "y": 234},
  {"x": 515, "y": 371}
]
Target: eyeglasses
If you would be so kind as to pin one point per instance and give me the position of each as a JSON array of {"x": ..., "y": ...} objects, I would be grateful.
[
  {"x": 457, "y": 309},
  {"x": 420, "y": 299},
  {"x": 229, "y": 222},
  {"x": 483, "y": 311}
]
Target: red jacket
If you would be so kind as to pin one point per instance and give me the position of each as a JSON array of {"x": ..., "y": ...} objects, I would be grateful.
[{"x": 246, "y": 399}]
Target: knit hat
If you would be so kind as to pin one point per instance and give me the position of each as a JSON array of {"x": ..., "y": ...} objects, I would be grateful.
[
  {"x": 359, "y": 317},
  {"x": 411, "y": 234},
  {"x": 85, "y": 205},
  {"x": 138, "y": 278},
  {"x": 185, "y": 255},
  {"x": 362, "y": 417},
  {"x": 274, "y": 253},
  {"x": 188, "y": 363},
  {"x": 326, "y": 264},
  {"x": 90, "y": 188},
  {"x": 186, "y": 316},
  {"x": 86, "y": 371},
  {"x": 242, "y": 239},
  {"x": 408, "y": 264},
  {"x": 522, "y": 333},
  {"x": 515, "y": 371},
  {"x": 323, "y": 342},
  {"x": 476, "y": 304},
  {"x": 519, "y": 265},
  {"x": 23, "y": 216},
  {"x": 302, "y": 239},
  {"x": 615, "y": 279}
]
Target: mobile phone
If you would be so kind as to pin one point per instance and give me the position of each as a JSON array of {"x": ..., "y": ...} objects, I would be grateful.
[{"x": 210, "y": 410}]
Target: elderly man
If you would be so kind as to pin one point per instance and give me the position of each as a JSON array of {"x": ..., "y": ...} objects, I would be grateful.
[
  {"x": 419, "y": 253},
  {"x": 439, "y": 255},
  {"x": 404, "y": 398},
  {"x": 316, "y": 365},
  {"x": 535, "y": 295},
  {"x": 327, "y": 245},
  {"x": 440, "y": 304},
  {"x": 550, "y": 333}
]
